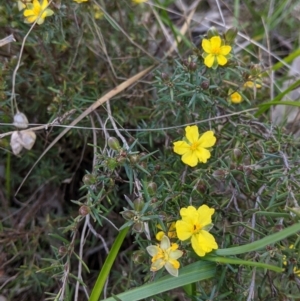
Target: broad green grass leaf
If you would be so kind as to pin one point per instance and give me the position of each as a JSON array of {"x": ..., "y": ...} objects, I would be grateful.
[
  {"x": 260, "y": 244},
  {"x": 197, "y": 271},
  {"x": 277, "y": 100}
]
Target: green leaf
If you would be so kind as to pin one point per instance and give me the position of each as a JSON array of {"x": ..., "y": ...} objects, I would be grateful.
[
  {"x": 98, "y": 287},
  {"x": 228, "y": 260},
  {"x": 197, "y": 271},
  {"x": 260, "y": 244},
  {"x": 277, "y": 100},
  {"x": 287, "y": 59}
]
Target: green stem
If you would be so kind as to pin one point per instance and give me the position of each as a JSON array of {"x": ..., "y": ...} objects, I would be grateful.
[
  {"x": 98, "y": 287},
  {"x": 238, "y": 261}
]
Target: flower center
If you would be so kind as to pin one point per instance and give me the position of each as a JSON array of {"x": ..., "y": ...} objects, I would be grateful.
[
  {"x": 197, "y": 228},
  {"x": 194, "y": 146},
  {"x": 37, "y": 11},
  {"x": 166, "y": 256},
  {"x": 215, "y": 50}
]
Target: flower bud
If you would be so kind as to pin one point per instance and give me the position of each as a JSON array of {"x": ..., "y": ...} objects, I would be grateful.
[
  {"x": 113, "y": 143},
  {"x": 139, "y": 256},
  {"x": 62, "y": 250},
  {"x": 128, "y": 214},
  {"x": 212, "y": 32},
  {"x": 138, "y": 204},
  {"x": 20, "y": 121},
  {"x": 120, "y": 160},
  {"x": 230, "y": 35},
  {"x": 154, "y": 200},
  {"x": 192, "y": 66},
  {"x": 239, "y": 168},
  {"x": 138, "y": 227},
  {"x": 84, "y": 210},
  {"x": 152, "y": 187},
  {"x": 134, "y": 159},
  {"x": 237, "y": 154},
  {"x": 201, "y": 187},
  {"x": 123, "y": 153},
  {"x": 89, "y": 179},
  {"x": 165, "y": 77},
  {"x": 219, "y": 174},
  {"x": 162, "y": 215},
  {"x": 248, "y": 171},
  {"x": 205, "y": 85},
  {"x": 157, "y": 167},
  {"x": 185, "y": 62}
]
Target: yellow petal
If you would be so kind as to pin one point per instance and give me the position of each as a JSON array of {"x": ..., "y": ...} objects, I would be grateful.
[
  {"x": 202, "y": 154},
  {"x": 190, "y": 158},
  {"x": 192, "y": 133},
  {"x": 224, "y": 50},
  {"x": 206, "y": 45},
  {"x": 44, "y": 4},
  {"x": 165, "y": 243},
  {"x": 159, "y": 235},
  {"x": 222, "y": 60},
  {"x": 215, "y": 42},
  {"x": 36, "y": 4},
  {"x": 171, "y": 269},
  {"x": 236, "y": 97},
  {"x": 205, "y": 213},
  {"x": 176, "y": 254},
  {"x": 249, "y": 84},
  {"x": 184, "y": 230},
  {"x": 28, "y": 12},
  {"x": 181, "y": 147},
  {"x": 203, "y": 243},
  {"x": 153, "y": 250},
  {"x": 207, "y": 139},
  {"x": 209, "y": 60},
  {"x": 172, "y": 230},
  {"x": 157, "y": 265},
  {"x": 188, "y": 214},
  {"x": 31, "y": 19}
]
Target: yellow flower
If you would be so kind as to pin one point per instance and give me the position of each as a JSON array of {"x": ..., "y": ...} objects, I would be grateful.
[
  {"x": 165, "y": 255},
  {"x": 139, "y": 1},
  {"x": 80, "y": 1},
  {"x": 234, "y": 97},
  {"x": 171, "y": 231},
  {"x": 214, "y": 52},
  {"x": 296, "y": 270},
  {"x": 251, "y": 84},
  {"x": 194, "y": 148},
  {"x": 98, "y": 13},
  {"x": 195, "y": 224},
  {"x": 37, "y": 11}
]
